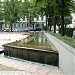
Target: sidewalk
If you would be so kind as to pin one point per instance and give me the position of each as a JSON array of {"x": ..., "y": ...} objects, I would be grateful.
[
  {"x": 23, "y": 67},
  {"x": 15, "y": 66}
]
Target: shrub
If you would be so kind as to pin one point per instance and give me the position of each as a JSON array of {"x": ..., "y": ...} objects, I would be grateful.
[
  {"x": 69, "y": 31},
  {"x": 45, "y": 28},
  {"x": 68, "y": 40}
]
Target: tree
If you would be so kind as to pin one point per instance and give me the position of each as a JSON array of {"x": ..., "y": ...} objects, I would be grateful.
[
  {"x": 64, "y": 8},
  {"x": 27, "y": 10},
  {"x": 61, "y": 9},
  {"x": 10, "y": 13},
  {"x": 48, "y": 10},
  {"x": 68, "y": 20}
]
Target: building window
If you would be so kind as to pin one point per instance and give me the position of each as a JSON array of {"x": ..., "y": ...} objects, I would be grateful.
[
  {"x": 42, "y": 18},
  {"x": 14, "y": 24},
  {"x": 37, "y": 18},
  {"x": 5, "y": 25},
  {"x": 22, "y": 24},
  {"x": 74, "y": 20},
  {"x": 19, "y": 24}
]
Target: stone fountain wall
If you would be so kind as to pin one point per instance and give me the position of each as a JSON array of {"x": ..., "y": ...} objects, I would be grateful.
[{"x": 36, "y": 55}]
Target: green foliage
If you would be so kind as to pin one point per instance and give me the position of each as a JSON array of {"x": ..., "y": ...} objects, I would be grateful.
[
  {"x": 57, "y": 8},
  {"x": 24, "y": 8},
  {"x": 68, "y": 20},
  {"x": 63, "y": 9},
  {"x": 10, "y": 10},
  {"x": 45, "y": 28},
  {"x": 1, "y": 11},
  {"x": 38, "y": 7},
  {"x": 68, "y": 40},
  {"x": 68, "y": 7},
  {"x": 15, "y": 9},
  {"x": 69, "y": 31}
]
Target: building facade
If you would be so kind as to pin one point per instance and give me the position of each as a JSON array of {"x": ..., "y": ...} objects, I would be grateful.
[
  {"x": 23, "y": 25},
  {"x": 73, "y": 20}
]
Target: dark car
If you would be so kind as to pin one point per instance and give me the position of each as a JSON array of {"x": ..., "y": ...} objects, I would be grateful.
[
  {"x": 38, "y": 29},
  {"x": 5, "y": 30},
  {"x": 26, "y": 30}
]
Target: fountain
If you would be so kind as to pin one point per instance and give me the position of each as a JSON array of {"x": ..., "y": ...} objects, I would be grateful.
[{"x": 35, "y": 48}]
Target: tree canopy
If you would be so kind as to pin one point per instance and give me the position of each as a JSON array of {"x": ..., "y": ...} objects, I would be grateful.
[
  {"x": 10, "y": 11},
  {"x": 53, "y": 9},
  {"x": 57, "y": 8}
]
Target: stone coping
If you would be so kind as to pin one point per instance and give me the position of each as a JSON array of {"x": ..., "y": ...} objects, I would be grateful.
[{"x": 5, "y": 45}]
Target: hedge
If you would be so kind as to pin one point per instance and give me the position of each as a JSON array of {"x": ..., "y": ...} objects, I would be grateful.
[
  {"x": 45, "y": 28},
  {"x": 69, "y": 31}
]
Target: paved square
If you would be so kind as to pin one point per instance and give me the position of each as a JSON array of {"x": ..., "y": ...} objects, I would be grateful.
[{"x": 23, "y": 67}]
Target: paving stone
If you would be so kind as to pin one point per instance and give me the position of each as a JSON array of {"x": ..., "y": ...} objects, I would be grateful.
[
  {"x": 11, "y": 73},
  {"x": 34, "y": 74},
  {"x": 20, "y": 73},
  {"x": 5, "y": 73},
  {"x": 25, "y": 67},
  {"x": 44, "y": 71},
  {"x": 1, "y": 72},
  {"x": 28, "y": 73},
  {"x": 5, "y": 61},
  {"x": 28, "y": 67},
  {"x": 53, "y": 72},
  {"x": 34, "y": 69},
  {"x": 16, "y": 65},
  {"x": 12, "y": 63}
]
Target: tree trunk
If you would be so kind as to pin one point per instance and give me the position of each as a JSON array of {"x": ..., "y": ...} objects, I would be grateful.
[
  {"x": 46, "y": 21},
  {"x": 55, "y": 25},
  {"x": 65, "y": 25},
  {"x": 62, "y": 19},
  {"x": 11, "y": 27},
  {"x": 59, "y": 28},
  {"x": 50, "y": 27},
  {"x": 62, "y": 25},
  {"x": 50, "y": 22}
]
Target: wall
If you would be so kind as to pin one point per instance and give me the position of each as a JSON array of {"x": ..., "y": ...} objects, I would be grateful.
[{"x": 66, "y": 55}]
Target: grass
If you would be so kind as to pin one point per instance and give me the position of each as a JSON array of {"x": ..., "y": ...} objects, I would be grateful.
[{"x": 68, "y": 40}]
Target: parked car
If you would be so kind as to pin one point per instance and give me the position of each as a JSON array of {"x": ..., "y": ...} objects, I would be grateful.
[
  {"x": 26, "y": 30},
  {"x": 38, "y": 29},
  {"x": 15, "y": 30},
  {"x": 5, "y": 30}
]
